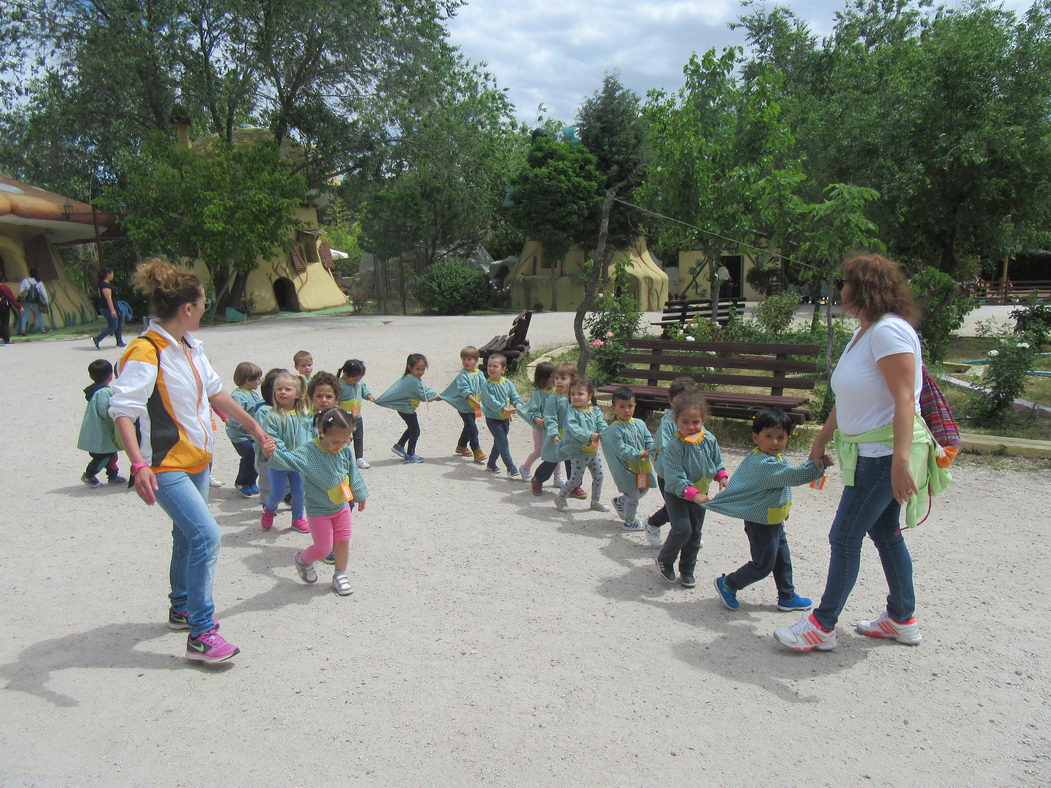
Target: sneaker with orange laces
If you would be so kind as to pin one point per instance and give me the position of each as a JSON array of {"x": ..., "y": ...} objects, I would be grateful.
[
  {"x": 806, "y": 634},
  {"x": 907, "y": 632}
]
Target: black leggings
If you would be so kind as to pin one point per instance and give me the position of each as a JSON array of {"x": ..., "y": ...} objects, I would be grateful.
[
  {"x": 545, "y": 470},
  {"x": 100, "y": 461},
  {"x": 359, "y": 438},
  {"x": 412, "y": 432},
  {"x": 5, "y": 324},
  {"x": 659, "y": 517}
]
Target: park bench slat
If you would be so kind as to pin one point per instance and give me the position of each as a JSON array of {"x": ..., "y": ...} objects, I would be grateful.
[
  {"x": 729, "y": 362},
  {"x": 755, "y": 381},
  {"x": 727, "y": 347}
]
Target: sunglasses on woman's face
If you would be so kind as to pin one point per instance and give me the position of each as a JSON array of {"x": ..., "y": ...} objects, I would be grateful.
[{"x": 839, "y": 283}]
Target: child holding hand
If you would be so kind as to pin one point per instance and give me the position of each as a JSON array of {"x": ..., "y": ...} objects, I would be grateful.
[
  {"x": 465, "y": 394},
  {"x": 247, "y": 378},
  {"x": 581, "y": 432},
  {"x": 556, "y": 407},
  {"x": 760, "y": 493},
  {"x": 98, "y": 434},
  {"x": 691, "y": 460},
  {"x": 287, "y": 423},
  {"x": 500, "y": 401},
  {"x": 404, "y": 397},
  {"x": 533, "y": 413},
  {"x": 627, "y": 444},
  {"x": 353, "y": 393}
]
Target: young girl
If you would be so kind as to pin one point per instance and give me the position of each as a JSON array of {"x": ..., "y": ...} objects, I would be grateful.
[
  {"x": 500, "y": 400},
  {"x": 326, "y": 464},
  {"x": 627, "y": 444},
  {"x": 353, "y": 392},
  {"x": 405, "y": 396},
  {"x": 689, "y": 461},
  {"x": 322, "y": 392},
  {"x": 582, "y": 429},
  {"x": 465, "y": 394},
  {"x": 266, "y": 391},
  {"x": 553, "y": 416},
  {"x": 665, "y": 431},
  {"x": 287, "y": 423},
  {"x": 247, "y": 378},
  {"x": 533, "y": 413}
]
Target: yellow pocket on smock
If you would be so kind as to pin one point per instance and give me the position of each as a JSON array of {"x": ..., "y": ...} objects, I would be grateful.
[{"x": 341, "y": 493}]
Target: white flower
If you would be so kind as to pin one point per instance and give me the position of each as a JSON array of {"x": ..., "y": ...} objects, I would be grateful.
[
  {"x": 1022, "y": 344},
  {"x": 993, "y": 353},
  {"x": 690, "y": 338}
]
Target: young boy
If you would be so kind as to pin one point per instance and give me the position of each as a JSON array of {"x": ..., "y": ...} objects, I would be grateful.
[
  {"x": 97, "y": 433},
  {"x": 465, "y": 394},
  {"x": 304, "y": 364},
  {"x": 247, "y": 378},
  {"x": 500, "y": 401},
  {"x": 665, "y": 431},
  {"x": 627, "y": 444},
  {"x": 760, "y": 493}
]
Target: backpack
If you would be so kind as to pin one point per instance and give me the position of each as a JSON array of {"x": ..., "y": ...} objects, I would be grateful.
[
  {"x": 31, "y": 295},
  {"x": 939, "y": 419}
]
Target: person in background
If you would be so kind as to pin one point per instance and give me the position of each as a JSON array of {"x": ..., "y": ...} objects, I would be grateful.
[{"x": 106, "y": 305}]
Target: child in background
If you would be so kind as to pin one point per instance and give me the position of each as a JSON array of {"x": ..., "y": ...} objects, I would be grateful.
[
  {"x": 247, "y": 378},
  {"x": 322, "y": 394},
  {"x": 627, "y": 444},
  {"x": 333, "y": 483},
  {"x": 98, "y": 436},
  {"x": 353, "y": 393},
  {"x": 582, "y": 429},
  {"x": 404, "y": 397},
  {"x": 691, "y": 460},
  {"x": 465, "y": 394},
  {"x": 554, "y": 416},
  {"x": 533, "y": 413},
  {"x": 760, "y": 493},
  {"x": 500, "y": 401},
  {"x": 287, "y": 423},
  {"x": 266, "y": 391},
  {"x": 303, "y": 363},
  {"x": 665, "y": 431}
]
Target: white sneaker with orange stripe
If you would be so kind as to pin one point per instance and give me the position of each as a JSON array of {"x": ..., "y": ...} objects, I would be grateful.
[
  {"x": 805, "y": 635},
  {"x": 907, "y": 632}
]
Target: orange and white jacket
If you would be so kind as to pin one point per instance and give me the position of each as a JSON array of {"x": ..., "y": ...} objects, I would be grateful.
[{"x": 167, "y": 392}]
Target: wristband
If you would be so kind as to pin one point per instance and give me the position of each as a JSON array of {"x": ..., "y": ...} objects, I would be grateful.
[
  {"x": 690, "y": 492},
  {"x": 720, "y": 476},
  {"x": 138, "y": 466}
]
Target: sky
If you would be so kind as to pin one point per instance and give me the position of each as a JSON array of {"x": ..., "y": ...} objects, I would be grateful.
[{"x": 556, "y": 52}]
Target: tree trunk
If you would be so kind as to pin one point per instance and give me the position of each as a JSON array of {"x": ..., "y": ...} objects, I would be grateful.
[
  {"x": 554, "y": 286},
  {"x": 598, "y": 274},
  {"x": 828, "y": 331},
  {"x": 815, "y": 296}
]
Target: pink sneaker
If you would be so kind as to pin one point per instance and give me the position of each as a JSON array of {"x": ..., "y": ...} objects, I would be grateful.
[
  {"x": 301, "y": 525},
  {"x": 209, "y": 647},
  {"x": 267, "y": 520},
  {"x": 577, "y": 493}
]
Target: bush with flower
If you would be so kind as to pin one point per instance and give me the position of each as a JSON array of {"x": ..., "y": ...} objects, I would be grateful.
[
  {"x": 1005, "y": 375},
  {"x": 616, "y": 318}
]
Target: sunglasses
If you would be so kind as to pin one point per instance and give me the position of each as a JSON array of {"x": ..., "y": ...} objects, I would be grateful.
[{"x": 839, "y": 283}]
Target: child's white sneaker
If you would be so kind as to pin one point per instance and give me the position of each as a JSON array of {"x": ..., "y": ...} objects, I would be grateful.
[
  {"x": 560, "y": 501},
  {"x": 653, "y": 535},
  {"x": 341, "y": 584},
  {"x": 598, "y": 506},
  {"x": 362, "y": 463},
  {"x": 633, "y": 525},
  {"x": 213, "y": 482},
  {"x": 527, "y": 476},
  {"x": 907, "y": 632}
]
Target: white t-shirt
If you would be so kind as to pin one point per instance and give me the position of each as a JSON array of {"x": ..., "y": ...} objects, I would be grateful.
[{"x": 863, "y": 401}]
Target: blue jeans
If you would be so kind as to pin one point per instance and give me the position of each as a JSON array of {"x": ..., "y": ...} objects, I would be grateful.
[
  {"x": 279, "y": 482},
  {"x": 469, "y": 433},
  {"x": 770, "y": 555},
  {"x": 501, "y": 448},
  {"x": 113, "y": 326},
  {"x": 867, "y": 508},
  {"x": 23, "y": 319},
  {"x": 195, "y": 545}
]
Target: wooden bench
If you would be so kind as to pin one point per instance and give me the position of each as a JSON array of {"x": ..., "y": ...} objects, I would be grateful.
[
  {"x": 514, "y": 344},
  {"x": 716, "y": 363},
  {"x": 678, "y": 312}
]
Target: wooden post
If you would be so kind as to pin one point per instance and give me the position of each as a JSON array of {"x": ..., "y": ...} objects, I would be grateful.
[{"x": 1003, "y": 281}]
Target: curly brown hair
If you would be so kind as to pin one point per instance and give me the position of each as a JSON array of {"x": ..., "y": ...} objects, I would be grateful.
[
  {"x": 879, "y": 288},
  {"x": 168, "y": 286}
]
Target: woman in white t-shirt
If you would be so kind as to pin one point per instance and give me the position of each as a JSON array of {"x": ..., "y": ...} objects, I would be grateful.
[{"x": 877, "y": 387}]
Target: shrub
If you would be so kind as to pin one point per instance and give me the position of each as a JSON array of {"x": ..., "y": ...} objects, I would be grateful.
[
  {"x": 616, "y": 318},
  {"x": 1005, "y": 376},
  {"x": 1033, "y": 319},
  {"x": 944, "y": 306},
  {"x": 775, "y": 313},
  {"x": 450, "y": 287}
]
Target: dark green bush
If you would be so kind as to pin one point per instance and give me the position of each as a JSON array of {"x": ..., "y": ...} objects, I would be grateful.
[
  {"x": 1033, "y": 319},
  {"x": 450, "y": 287},
  {"x": 944, "y": 305}
]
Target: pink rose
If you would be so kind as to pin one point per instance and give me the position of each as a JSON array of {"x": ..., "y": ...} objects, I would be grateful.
[
  {"x": 609, "y": 335},
  {"x": 597, "y": 343}
]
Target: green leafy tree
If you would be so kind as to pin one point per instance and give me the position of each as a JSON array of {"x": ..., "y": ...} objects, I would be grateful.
[{"x": 227, "y": 207}]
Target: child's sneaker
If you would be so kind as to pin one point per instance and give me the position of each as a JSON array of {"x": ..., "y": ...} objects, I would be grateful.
[
  {"x": 666, "y": 572},
  {"x": 177, "y": 620},
  {"x": 329, "y": 559},
  {"x": 209, "y": 647},
  {"x": 726, "y": 595},
  {"x": 653, "y": 535},
  {"x": 493, "y": 468},
  {"x": 306, "y": 571},
  {"x": 463, "y": 451},
  {"x": 213, "y": 482},
  {"x": 400, "y": 451},
  {"x": 618, "y": 506},
  {"x": 267, "y": 520},
  {"x": 806, "y": 634},
  {"x": 797, "y": 602},
  {"x": 536, "y": 486},
  {"x": 598, "y": 506},
  {"x": 907, "y": 632},
  {"x": 527, "y": 476},
  {"x": 362, "y": 463},
  {"x": 301, "y": 525},
  {"x": 341, "y": 584},
  {"x": 117, "y": 479},
  {"x": 512, "y": 472},
  {"x": 687, "y": 580},
  {"x": 245, "y": 490},
  {"x": 255, "y": 489},
  {"x": 560, "y": 501},
  {"x": 412, "y": 458},
  {"x": 632, "y": 525},
  {"x": 578, "y": 493},
  {"x": 90, "y": 481},
  {"x": 479, "y": 456}
]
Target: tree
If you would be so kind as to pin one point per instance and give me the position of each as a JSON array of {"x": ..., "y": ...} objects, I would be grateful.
[
  {"x": 227, "y": 207},
  {"x": 556, "y": 198}
]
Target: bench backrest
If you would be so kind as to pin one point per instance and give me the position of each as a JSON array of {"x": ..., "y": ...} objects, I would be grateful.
[
  {"x": 519, "y": 328},
  {"x": 665, "y": 360}
]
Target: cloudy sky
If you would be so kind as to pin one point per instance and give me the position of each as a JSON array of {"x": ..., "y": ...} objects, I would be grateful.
[{"x": 555, "y": 52}]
